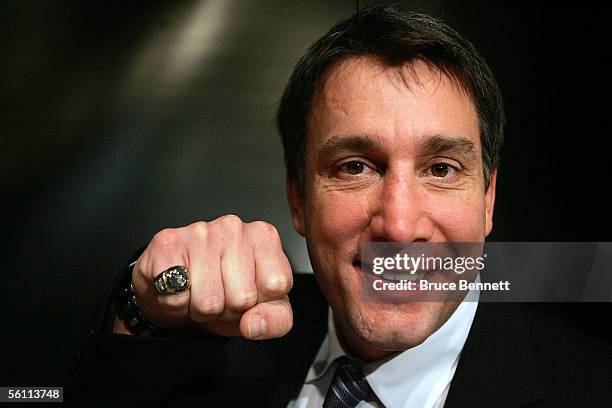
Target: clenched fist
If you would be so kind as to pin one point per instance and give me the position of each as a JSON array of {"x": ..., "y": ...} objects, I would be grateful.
[{"x": 239, "y": 275}]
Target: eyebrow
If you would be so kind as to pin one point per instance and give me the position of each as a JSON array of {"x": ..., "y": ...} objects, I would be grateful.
[
  {"x": 439, "y": 144},
  {"x": 337, "y": 144},
  {"x": 431, "y": 146}
]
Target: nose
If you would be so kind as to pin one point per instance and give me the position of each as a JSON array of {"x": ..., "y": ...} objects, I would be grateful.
[{"x": 400, "y": 211}]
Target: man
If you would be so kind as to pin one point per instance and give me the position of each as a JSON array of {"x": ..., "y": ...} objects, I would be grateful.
[{"x": 392, "y": 129}]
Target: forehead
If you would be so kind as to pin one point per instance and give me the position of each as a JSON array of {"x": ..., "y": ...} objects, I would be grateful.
[{"x": 363, "y": 96}]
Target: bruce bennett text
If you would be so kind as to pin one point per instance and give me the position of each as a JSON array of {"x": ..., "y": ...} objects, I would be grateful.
[{"x": 423, "y": 285}]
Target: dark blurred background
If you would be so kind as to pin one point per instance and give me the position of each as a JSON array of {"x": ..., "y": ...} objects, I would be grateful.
[{"x": 122, "y": 118}]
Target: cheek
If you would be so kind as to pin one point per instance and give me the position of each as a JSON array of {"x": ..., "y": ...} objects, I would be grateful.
[
  {"x": 336, "y": 218},
  {"x": 460, "y": 220},
  {"x": 334, "y": 224}
]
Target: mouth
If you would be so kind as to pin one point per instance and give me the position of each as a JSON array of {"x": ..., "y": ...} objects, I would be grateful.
[
  {"x": 405, "y": 275},
  {"x": 369, "y": 281},
  {"x": 390, "y": 276}
]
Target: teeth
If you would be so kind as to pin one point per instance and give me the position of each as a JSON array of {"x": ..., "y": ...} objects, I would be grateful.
[{"x": 403, "y": 276}]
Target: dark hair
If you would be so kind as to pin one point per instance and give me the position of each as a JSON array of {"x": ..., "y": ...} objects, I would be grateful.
[{"x": 396, "y": 37}]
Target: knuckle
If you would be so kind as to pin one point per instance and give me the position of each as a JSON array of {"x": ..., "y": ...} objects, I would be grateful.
[
  {"x": 173, "y": 305},
  {"x": 168, "y": 237},
  {"x": 243, "y": 301},
  {"x": 264, "y": 227},
  {"x": 210, "y": 307},
  {"x": 229, "y": 226},
  {"x": 200, "y": 229},
  {"x": 266, "y": 231},
  {"x": 230, "y": 221},
  {"x": 279, "y": 283}
]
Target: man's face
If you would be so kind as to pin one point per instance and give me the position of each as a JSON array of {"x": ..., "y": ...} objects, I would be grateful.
[{"x": 393, "y": 154}]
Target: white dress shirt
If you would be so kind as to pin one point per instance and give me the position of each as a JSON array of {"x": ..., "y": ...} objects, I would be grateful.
[{"x": 417, "y": 377}]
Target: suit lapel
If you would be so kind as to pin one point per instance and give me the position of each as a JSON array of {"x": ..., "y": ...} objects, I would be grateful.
[
  {"x": 271, "y": 373},
  {"x": 497, "y": 366}
]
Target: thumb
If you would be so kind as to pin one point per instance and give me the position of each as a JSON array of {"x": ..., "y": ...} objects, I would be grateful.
[{"x": 267, "y": 320}]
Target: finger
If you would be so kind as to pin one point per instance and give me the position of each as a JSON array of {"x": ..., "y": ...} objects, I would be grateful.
[
  {"x": 173, "y": 306},
  {"x": 238, "y": 274},
  {"x": 267, "y": 320},
  {"x": 165, "y": 251},
  {"x": 207, "y": 296},
  {"x": 273, "y": 273}
]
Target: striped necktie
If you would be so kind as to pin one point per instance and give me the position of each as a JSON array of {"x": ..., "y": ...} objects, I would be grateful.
[{"x": 348, "y": 387}]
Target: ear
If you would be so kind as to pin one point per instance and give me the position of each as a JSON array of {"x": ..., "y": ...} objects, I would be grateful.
[
  {"x": 296, "y": 203},
  {"x": 490, "y": 203}
]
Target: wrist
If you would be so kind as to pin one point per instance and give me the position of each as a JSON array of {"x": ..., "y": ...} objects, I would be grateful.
[
  {"x": 129, "y": 318},
  {"x": 120, "y": 327}
]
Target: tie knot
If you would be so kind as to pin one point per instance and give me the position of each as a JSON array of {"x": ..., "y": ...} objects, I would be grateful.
[{"x": 348, "y": 387}]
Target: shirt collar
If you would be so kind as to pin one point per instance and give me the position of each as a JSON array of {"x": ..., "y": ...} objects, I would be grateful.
[
  {"x": 417, "y": 376},
  {"x": 330, "y": 350}
]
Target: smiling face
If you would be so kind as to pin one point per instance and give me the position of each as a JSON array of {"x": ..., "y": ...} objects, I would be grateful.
[{"x": 392, "y": 155}]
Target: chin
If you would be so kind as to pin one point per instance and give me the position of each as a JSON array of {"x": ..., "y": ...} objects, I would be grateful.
[
  {"x": 375, "y": 328},
  {"x": 379, "y": 329}
]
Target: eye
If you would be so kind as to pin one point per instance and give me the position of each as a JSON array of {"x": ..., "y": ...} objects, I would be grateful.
[
  {"x": 353, "y": 167},
  {"x": 440, "y": 170}
]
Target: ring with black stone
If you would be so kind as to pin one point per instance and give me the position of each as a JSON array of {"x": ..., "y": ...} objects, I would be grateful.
[{"x": 172, "y": 280}]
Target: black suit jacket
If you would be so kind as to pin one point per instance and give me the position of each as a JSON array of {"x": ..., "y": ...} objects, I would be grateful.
[{"x": 513, "y": 357}]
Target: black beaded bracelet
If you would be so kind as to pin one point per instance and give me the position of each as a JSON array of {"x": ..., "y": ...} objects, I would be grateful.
[{"x": 132, "y": 316}]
